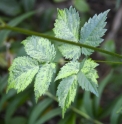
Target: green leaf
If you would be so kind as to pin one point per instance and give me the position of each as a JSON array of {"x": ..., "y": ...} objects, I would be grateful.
[
  {"x": 87, "y": 84},
  {"x": 43, "y": 79},
  {"x": 68, "y": 70},
  {"x": 22, "y": 73},
  {"x": 114, "y": 118},
  {"x": 28, "y": 4},
  {"x": 92, "y": 31},
  {"x": 3, "y": 62},
  {"x": 58, "y": 56},
  {"x": 89, "y": 71},
  {"x": 68, "y": 119},
  {"x": 45, "y": 20},
  {"x": 17, "y": 101},
  {"x": 48, "y": 116},
  {"x": 87, "y": 76},
  {"x": 66, "y": 92},
  {"x": 101, "y": 88},
  {"x": 81, "y": 5},
  {"x": 5, "y": 98},
  {"x": 3, "y": 83},
  {"x": 38, "y": 110},
  {"x": 67, "y": 27},
  {"x": 39, "y": 48},
  {"x": 118, "y": 3},
  {"x": 70, "y": 51},
  {"x": 88, "y": 104},
  {"x": 109, "y": 45},
  {"x": 110, "y": 107},
  {"x": 58, "y": 1},
  {"x": 18, "y": 120},
  {"x": 10, "y": 7}
]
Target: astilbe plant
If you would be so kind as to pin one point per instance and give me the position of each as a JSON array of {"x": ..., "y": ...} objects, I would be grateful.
[{"x": 41, "y": 53}]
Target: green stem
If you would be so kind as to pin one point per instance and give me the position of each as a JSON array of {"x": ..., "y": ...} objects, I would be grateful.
[
  {"x": 99, "y": 61},
  {"x": 28, "y": 32},
  {"x": 85, "y": 115},
  {"x": 75, "y": 110},
  {"x": 110, "y": 62},
  {"x": 2, "y": 23}
]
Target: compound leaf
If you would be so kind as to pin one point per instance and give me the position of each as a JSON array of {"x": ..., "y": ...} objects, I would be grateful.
[
  {"x": 22, "y": 73},
  {"x": 66, "y": 92},
  {"x": 39, "y": 48},
  {"x": 87, "y": 76},
  {"x": 92, "y": 31},
  {"x": 68, "y": 70},
  {"x": 43, "y": 79},
  {"x": 67, "y": 27}
]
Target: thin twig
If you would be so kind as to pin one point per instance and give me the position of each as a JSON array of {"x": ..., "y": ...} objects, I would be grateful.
[
  {"x": 2, "y": 23},
  {"x": 28, "y": 32},
  {"x": 75, "y": 110},
  {"x": 109, "y": 62},
  {"x": 61, "y": 40}
]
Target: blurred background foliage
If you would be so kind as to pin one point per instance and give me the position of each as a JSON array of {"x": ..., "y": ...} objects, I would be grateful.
[{"x": 39, "y": 15}]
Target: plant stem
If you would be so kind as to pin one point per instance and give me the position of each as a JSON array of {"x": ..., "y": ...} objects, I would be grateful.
[
  {"x": 2, "y": 23},
  {"x": 28, "y": 32},
  {"x": 110, "y": 62},
  {"x": 99, "y": 61},
  {"x": 75, "y": 110}
]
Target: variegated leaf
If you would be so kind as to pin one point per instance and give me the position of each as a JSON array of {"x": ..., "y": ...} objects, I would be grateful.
[
  {"x": 67, "y": 27},
  {"x": 43, "y": 79},
  {"x": 39, "y": 48},
  {"x": 68, "y": 70},
  {"x": 66, "y": 92},
  {"x": 92, "y": 31},
  {"x": 22, "y": 73}
]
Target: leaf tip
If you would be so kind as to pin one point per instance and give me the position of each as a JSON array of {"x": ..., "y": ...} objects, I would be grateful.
[{"x": 108, "y": 10}]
